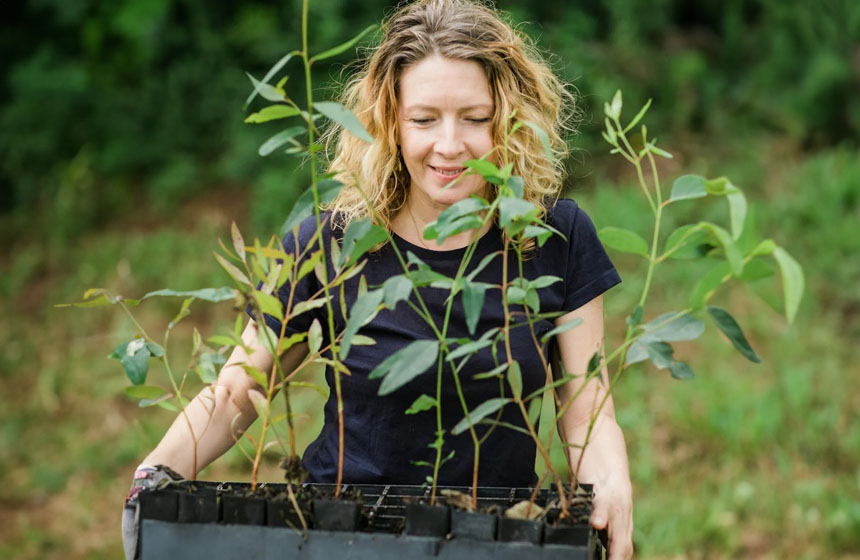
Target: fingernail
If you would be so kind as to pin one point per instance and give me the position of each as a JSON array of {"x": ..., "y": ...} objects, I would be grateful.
[{"x": 598, "y": 521}]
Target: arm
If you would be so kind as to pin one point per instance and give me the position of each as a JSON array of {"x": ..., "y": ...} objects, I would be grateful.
[
  {"x": 210, "y": 416},
  {"x": 604, "y": 460}
]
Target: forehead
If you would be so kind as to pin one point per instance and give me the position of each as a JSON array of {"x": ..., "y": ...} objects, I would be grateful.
[{"x": 443, "y": 84}]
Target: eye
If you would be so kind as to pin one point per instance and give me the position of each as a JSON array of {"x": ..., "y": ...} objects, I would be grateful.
[
  {"x": 421, "y": 121},
  {"x": 479, "y": 121}
]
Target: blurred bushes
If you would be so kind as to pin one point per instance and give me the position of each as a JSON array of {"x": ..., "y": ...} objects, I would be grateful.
[{"x": 108, "y": 105}]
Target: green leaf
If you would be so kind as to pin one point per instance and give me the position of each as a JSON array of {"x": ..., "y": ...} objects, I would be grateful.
[
  {"x": 543, "y": 389},
  {"x": 261, "y": 404},
  {"x": 733, "y": 254},
  {"x": 564, "y": 327},
  {"x": 155, "y": 350},
  {"x": 615, "y": 107},
  {"x": 307, "y": 305},
  {"x": 515, "y": 294},
  {"x": 134, "y": 357},
  {"x": 511, "y": 209},
  {"x": 304, "y": 384},
  {"x": 287, "y": 343},
  {"x": 149, "y": 392},
  {"x": 473, "y": 303},
  {"x": 539, "y": 232},
  {"x": 267, "y": 91},
  {"x": 765, "y": 247},
  {"x": 256, "y": 374},
  {"x": 327, "y": 189},
  {"x": 94, "y": 297},
  {"x": 363, "y": 311},
  {"x": 544, "y": 139},
  {"x": 238, "y": 241},
  {"x": 206, "y": 368},
  {"x": 624, "y": 240},
  {"x": 515, "y": 380},
  {"x": 344, "y": 117},
  {"x": 686, "y": 242},
  {"x": 280, "y": 139},
  {"x": 665, "y": 328},
  {"x": 160, "y": 401},
  {"x": 495, "y": 372},
  {"x": 460, "y": 216},
  {"x": 310, "y": 264},
  {"x": 234, "y": 272},
  {"x": 271, "y": 113},
  {"x": 636, "y": 353},
  {"x": 688, "y": 186},
  {"x": 544, "y": 281},
  {"x": 314, "y": 337},
  {"x": 396, "y": 289},
  {"x": 334, "y": 51},
  {"x": 481, "y": 411},
  {"x": 792, "y": 281},
  {"x": 214, "y": 295},
  {"x": 272, "y": 71},
  {"x": 361, "y": 340},
  {"x": 360, "y": 236},
  {"x": 708, "y": 284},
  {"x": 721, "y": 186},
  {"x": 184, "y": 311},
  {"x": 757, "y": 269},
  {"x": 468, "y": 348},
  {"x": 594, "y": 369},
  {"x": 532, "y": 300},
  {"x": 517, "y": 185},
  {"x": 726, "y": 323},
  {"x": 660, "y": 353},
  {"x": 638, "y": 116},
  {"x": 659, "y": 152},
  {"x": 405, "y": 365},
  {"x": 269, "y": 305},
  {"x": 680, "y": 370},
  {"x": 222, "y": 340},
  {"x": 422, "y": 403},
  {"x": 483, "y": 167},
  {"x": 534, "y": 411}
]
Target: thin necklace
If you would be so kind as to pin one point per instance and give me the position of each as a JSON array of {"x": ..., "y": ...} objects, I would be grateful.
[{"x": 417, "y": 229}]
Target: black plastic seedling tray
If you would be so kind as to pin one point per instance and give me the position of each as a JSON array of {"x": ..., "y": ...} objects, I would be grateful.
[{"x": 174, "y": 525}]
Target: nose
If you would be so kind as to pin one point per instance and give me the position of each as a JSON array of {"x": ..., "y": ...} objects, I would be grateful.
[{"x": 449, "y": 143}]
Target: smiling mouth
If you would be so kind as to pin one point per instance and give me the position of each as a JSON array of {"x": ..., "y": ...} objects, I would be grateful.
[{"x": 449, "y": 172}]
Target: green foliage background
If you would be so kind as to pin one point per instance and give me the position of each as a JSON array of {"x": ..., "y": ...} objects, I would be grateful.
[{"x": 124, "y": 158}]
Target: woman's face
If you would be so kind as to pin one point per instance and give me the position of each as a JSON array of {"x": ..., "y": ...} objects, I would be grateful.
[{"x": 445, "y": 111}]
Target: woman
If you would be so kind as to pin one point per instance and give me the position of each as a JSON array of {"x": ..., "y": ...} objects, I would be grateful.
[{"x": 436, "y": 93}]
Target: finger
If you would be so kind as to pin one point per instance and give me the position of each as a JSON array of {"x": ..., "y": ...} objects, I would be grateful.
[
  {"x": 130, "y": 529},
  {"x": 621, "y": 534},
  {"x": 599, "y": 514}
]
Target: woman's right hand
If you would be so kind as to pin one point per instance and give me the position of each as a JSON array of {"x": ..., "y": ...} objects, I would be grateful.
[{"x": 146, "y": 477}]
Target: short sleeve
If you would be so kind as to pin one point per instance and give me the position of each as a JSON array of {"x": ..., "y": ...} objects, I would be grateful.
[
  {"x": 589, "y": 272},
  {"x": 304, "y": 289}
]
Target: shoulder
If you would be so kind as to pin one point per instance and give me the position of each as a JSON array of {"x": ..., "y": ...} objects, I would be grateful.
[{"x": 566, "y": 216}]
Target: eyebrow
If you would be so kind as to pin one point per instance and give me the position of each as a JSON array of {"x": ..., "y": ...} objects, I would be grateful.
[{"x": 462, "y": 109}]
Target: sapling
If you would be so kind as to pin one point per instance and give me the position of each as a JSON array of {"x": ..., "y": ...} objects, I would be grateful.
[{"x": 735, "y": 254}]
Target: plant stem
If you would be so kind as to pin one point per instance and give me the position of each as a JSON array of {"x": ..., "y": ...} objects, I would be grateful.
[{"x": 324, "y": 267}]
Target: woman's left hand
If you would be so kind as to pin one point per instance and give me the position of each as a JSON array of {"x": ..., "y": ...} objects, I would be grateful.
[{"x": 613, "y": 511}]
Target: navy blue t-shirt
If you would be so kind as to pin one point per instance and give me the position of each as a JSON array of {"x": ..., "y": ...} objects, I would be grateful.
[{"x": 381, "y": 441}]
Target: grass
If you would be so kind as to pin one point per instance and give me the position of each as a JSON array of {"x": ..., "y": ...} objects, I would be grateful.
[{"x": 756, "y": 461}]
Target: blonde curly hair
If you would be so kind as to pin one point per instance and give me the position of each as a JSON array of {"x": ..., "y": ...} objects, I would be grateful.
[{"x": 520, "y": 79}]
